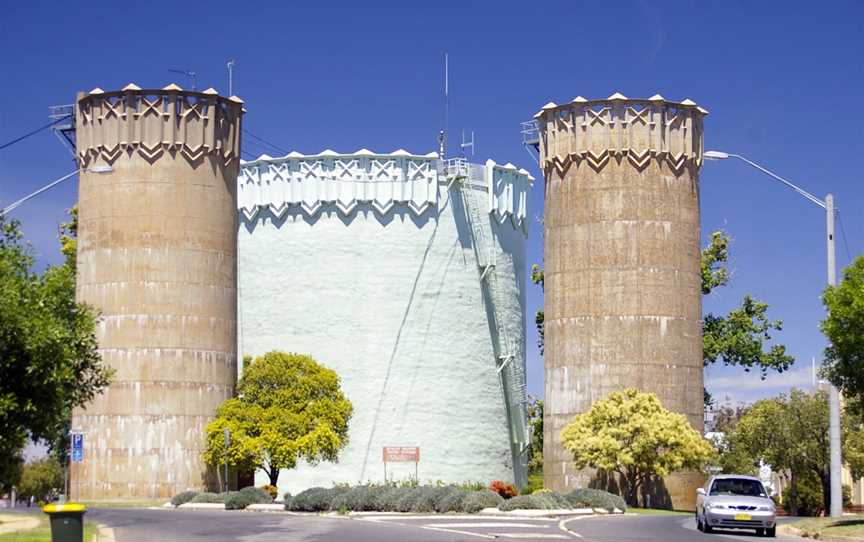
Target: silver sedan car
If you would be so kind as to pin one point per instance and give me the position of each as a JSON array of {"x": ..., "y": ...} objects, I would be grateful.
[{"x": 732, "y": 501}]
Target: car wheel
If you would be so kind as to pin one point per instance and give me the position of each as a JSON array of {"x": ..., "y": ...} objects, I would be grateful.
[
  {"x": 707, "y": 528},
  {"x": 760, "y": 532},
  {"x": 772, "y": 532}
]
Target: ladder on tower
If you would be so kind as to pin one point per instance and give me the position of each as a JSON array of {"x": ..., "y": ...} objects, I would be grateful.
[{"x": 458, "y": 173}]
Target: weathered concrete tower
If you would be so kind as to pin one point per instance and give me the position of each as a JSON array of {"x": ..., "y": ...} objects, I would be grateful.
[
  {"x": 157, "y": 255},
  {"x": 623, "y": 294}
]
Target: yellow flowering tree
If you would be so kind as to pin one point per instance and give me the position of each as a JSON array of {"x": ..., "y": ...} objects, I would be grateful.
[
  {"x": 630, "y": 433},
  {"x": 288, "y": 408}
]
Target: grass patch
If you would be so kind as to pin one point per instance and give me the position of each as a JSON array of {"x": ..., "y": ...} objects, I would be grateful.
[
  {"x": 42, "y": 532},
  {"x": 852, "y": 526},
  {"x": 657, "y": 512}
]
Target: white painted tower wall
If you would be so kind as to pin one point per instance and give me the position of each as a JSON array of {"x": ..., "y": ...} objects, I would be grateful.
[{"x": 366, "y": 262}]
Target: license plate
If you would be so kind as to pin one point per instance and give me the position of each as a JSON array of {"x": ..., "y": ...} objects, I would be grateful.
[{"x": 743, "y": 517}]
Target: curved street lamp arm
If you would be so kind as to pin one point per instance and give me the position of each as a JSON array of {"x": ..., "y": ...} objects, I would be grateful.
[{"x": 801, "y": 191}]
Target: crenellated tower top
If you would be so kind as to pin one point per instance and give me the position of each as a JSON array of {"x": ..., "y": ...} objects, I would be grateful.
[
  {"x": 151, "y": 122},
  {"x": 620, "y": 128}
]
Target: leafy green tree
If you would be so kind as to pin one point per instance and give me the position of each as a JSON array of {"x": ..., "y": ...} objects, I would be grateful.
[
  {"x": 41, "y": 479},
  {"x": 49, "y": 361},
  {"x": 629, "y": 433},
  {"x": 538, "y": 278},
  {"x": 736, "y": 339},
  {"x": 740, "y": 337},
  {"x": 844, "y": 328},
  {"x": 288, "y": 408},
  {"x": 732, "y": 456},
  {"x": 535, "y": 420},
  {"x": 790, "y": 432}
]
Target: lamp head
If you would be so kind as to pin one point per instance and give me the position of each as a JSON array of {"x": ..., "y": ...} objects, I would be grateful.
[{"x": 715, "y": 155}]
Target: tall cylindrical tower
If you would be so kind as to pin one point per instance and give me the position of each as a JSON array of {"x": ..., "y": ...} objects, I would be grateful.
[
  {"x": 405, "y": 274},
  {"x": 157, "y": 256},
  {"x": 623, "y": 286}
]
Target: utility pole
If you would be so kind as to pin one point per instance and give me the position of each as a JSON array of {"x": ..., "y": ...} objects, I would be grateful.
[
  {"x": 833, "y": 392},
  {"x": 835, "y": 453}
]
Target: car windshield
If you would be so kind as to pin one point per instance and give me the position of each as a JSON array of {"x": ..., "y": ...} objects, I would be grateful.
[{"x": 738, "y": 486}]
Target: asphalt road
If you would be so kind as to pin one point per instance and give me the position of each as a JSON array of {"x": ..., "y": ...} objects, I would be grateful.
[
  {"x": 633, "y": 528},
  {"x": 154, "y": 525}
]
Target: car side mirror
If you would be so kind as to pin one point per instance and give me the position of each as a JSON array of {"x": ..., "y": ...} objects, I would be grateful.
[{"x": 700, "y": 491}]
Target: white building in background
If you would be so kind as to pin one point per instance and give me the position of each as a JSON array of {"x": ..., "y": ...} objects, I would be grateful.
[{"x": 406, "y": 275}]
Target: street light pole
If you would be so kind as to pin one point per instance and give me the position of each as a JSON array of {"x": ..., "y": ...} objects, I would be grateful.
[
  {"x": 836, "y": 460},
  {"x": 12, "y": 206},
  {"x": 833, "y": 393}
]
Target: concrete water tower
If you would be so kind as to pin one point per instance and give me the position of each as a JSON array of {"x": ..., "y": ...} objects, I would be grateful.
[
  {"x": 623, "y": 286},
  {"x": 157, "y": 256}
]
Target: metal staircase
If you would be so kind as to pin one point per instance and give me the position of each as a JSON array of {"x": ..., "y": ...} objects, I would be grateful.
[{"x": 457, "y": 172}]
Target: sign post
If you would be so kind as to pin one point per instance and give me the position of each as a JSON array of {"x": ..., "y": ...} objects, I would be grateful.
[
  {"x": 401, "y": 454},
  {"x": 77, "y": 456}
]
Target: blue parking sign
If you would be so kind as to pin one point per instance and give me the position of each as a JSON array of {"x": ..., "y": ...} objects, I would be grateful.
[{"x": 77, "y": 447}]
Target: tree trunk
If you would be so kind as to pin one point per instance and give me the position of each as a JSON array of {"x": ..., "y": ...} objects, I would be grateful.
[
  {"x": 631, "y": 492},
  {"x": 793, "y": 495},
  {"x": 825, "y": 479},
  {"x": 273, "y": 474}
]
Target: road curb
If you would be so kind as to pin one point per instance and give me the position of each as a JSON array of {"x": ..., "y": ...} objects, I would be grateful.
[{"x": 794, "y": 531}]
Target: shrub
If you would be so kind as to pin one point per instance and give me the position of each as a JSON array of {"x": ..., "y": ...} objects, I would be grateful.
[
  {"x": 272, "y": 490},
  {"x": 595, "y": 498},
  {"x": 388, "y": 500},
  {"x": 537, "y": 501},
  {"x": 183, "y": 498},
  {"x": 358, "y": 499},
  {"x": 286, "y": 499},
  {"x": 237, "y": 500},
  {"x": 471, "y": 486},
  {"x": 523, "y": 502},
  {"x": 426, "y": 499},
  {"x": 504, "y": 489},
  {"x": 478, "y": 500},
  {"x": 256, "y": 495},
  {"x": 209, "y": 498},
  {"x": 316, "y": 499},
  {"x": 452, "y": 500}
]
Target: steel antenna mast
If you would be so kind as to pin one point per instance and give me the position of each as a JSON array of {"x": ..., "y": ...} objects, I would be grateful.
[
  {"x": 231, "y": 63},
  {"x": 190, "y": 74}
]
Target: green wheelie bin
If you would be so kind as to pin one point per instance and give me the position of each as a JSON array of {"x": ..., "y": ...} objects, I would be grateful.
[{"x": 67, "y": 522}]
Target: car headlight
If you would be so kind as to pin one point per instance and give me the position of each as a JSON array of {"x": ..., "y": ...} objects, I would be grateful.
[
  {"x": 766, "y": 508},
  {"x": 716, "y": 506}
]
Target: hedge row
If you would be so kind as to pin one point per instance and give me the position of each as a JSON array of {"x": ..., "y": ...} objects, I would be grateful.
[
  {"x": 420, "y": 499},
  {"x": 233, "y": 500},
  {"x": 440, "y": 499}
]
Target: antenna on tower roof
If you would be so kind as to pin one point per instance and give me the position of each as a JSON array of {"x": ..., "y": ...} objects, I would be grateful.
[
  {"x": 230, "y": 64},
  {"x": 442, "y": 135},
  {"x": 466, "y": 144},
  {"x": 190, "y": 74}
]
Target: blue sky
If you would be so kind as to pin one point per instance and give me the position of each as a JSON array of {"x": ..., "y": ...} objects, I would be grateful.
[{"x": 783, "y": 82}]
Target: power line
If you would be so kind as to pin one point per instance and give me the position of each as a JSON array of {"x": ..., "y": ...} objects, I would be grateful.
[
  {"x": 843, "y": 234},
  {"x": 34, "y": 132},
  {"x": 262, "y": 140}
]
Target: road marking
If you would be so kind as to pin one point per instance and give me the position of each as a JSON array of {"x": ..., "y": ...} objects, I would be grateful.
[
  {"x": 491, "y": 524},
  {"x": 530, "y": 535},
  {"x": 456, "y": 531},
  {"x": 563, "y": 526},
  {"x": 385, "y": 517}
]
